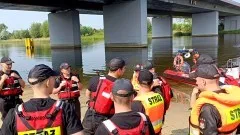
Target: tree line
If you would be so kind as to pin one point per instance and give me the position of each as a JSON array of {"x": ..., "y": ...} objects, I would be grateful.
[{"x": 38, "y": 30}]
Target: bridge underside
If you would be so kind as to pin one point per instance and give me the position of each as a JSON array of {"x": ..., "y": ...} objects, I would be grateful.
[{"x": 125, "y": 21}]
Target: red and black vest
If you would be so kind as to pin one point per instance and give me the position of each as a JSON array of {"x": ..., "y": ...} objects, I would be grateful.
[
  {"x": 166, "y": 91},
  {"x": 47, "y": 122},
  {"x": 141, "y": 129},
  {"x": 100, "y": 99},
  {"x": 11, "y": 87},
  {"x": 70, "y": 90}
]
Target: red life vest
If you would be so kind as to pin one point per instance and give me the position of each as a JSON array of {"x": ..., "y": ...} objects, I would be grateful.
[
  {"x": 45, "y": 122},
  {"x": 11, "y": 87},
  {"x": 100, "y": 99},
  {"x": 70, "y": 90},
  {"x": 166, "y": 91},
  {"x": 141, "y": 129}
]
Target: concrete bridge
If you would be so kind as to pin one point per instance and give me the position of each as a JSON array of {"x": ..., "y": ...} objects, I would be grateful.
[{"x": 125, "y": 21}]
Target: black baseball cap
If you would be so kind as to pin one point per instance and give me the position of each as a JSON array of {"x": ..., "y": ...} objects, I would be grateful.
[
  {"x": 64, "y": 65},
  {"x": 123, "y": 84},
  {"x": 205, "y": 59},
  {"x": 138, "y": 67},
  {"x": 40, "y": 73},
  {"x": 6, "y": 60},
  {"x": 148, "y": 65},
  {"x": 145, "y": 77},
  {"x": 116, "y": 63},
  {"x": 207, "y": 71}
]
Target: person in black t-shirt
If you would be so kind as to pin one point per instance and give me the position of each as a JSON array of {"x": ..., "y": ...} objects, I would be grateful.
[
  {"x": 68, "y": 87},
  {"x": 125, "y": 121},
  {"x": 11, "y": 84},
  {"x": 42, "y": 114},
  {"x": 100, "y": 106}
]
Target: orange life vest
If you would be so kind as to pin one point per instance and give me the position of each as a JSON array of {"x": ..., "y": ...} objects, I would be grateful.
[
  {"x": 154, "y": 108},
  {"x": 11, "y": 87},
  {"x": 70, "y": 90},
  {"x": 141, "y": 129},
  {"x": 47, "y": 122},
  {"x": 100, "y": 99},
  {"x": 227, "y": 104}
]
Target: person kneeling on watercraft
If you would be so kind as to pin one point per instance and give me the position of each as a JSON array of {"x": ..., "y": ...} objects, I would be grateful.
[
  {"x": 180, "y": 65},
  {"x": 216, "y": 110}
]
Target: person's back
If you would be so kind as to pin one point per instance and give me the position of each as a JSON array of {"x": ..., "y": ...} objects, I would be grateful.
[
  {"x": 149, "y": 102},
  {"x": 41, "y": 114},
  {"x": 125, "y": 121},
  {"x": 100, "y": 106}
]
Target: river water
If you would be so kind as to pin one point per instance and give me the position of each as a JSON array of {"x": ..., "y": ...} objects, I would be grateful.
[{"x": 95, "y": 55}]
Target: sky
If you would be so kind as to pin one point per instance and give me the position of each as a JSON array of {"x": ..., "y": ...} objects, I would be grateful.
[{"x": 16, "y": 20}]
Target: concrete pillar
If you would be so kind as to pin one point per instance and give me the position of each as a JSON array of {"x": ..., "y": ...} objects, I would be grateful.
[
  {"x": 205, "y": 24},
  {"x": 162, "y": 27},
  {"x": 64, "y": 28},
  {"x": 125, "y": 24},
  {"x": 232, "y": 23}
]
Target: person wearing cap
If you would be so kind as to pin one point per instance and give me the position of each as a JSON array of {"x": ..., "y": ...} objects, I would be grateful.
[
  {"x": 216, "y": 111},
  {"x": 68, "y": 87},
  {"x": 42, "y": 114},
  {"x": 134, "y": 79},
  {"x": 11, "y": 84},
  {"x": 149, "y": 102},
  {"x": 100, "y": 105},
  {"x": 125, "y": 121},
  {"x": 159, "y": 85}
]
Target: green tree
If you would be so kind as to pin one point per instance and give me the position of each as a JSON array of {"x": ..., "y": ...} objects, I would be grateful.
[
  {"x": 24, "y": 34},
  {"x": 4, "y": 35},
  {"x": 35, "y": 30},
  {"x": 87, "y": 31},
  {"x": 3, "y": 27},
  {"x": 149, "y": 26},
  {"x": 45, "y": 29},
  {"x": 16, "y": 34}
]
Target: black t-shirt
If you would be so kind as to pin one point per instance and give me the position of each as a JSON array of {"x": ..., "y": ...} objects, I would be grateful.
[
  {"x": 59, "y": 79},
  {"x": 71, "y": 123},
  {"x": 125, "y": 120},
  {"x": 93, "y": 83},
  {"x": 12, "y": 71}
]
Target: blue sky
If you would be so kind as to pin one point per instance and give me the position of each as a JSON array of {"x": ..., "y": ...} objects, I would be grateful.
[{"x": 16, "y": 20}]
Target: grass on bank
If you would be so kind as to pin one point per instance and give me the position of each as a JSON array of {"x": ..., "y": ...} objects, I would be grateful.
[{"x": 230, "y": 32}]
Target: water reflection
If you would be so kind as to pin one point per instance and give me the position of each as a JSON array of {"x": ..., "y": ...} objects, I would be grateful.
[
  {"x": 132, "y": 56},
  {"x": 71, "y": 56},
  {"x": 161, "y": 50},
  {"x": 30, "y": 53},
  {"x": 207, "y": 45}
]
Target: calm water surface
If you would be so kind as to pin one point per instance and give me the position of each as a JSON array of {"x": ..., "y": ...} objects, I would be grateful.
[{"x": 95, "y": 56}]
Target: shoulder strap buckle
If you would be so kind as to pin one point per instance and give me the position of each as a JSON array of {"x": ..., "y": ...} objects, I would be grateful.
[{"x": 110, "y": 127}]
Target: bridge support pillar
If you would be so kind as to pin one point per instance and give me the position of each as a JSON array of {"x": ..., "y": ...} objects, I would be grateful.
[
  {"x": 232, "y": 23},
  {"x": 64, "y": 29},
  {"x": 205, "y": 24},
  {"x": 162, "y": 27},
  {"x": 125, "y": 24}
]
